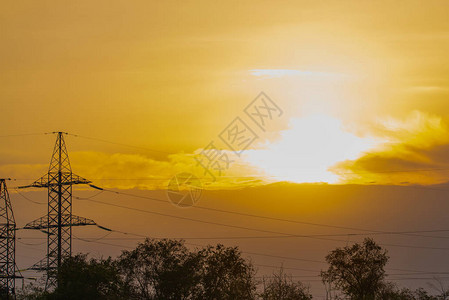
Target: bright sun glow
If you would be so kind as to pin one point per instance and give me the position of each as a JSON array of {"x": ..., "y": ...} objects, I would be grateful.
[{"x": 308, "y": 149}]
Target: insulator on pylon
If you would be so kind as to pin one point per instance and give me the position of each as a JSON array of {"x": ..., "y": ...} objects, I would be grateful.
[{"x": 58, "y": 222}]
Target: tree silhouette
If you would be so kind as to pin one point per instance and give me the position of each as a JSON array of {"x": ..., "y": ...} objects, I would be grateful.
[
  {"x": 282, "y": 287},
  {"x": 159, "y": 269},
  {"x": 391, "y": 292},
  {"x": 80, "y": 278},
  {"x": 156, "y": 270},
  {"x": 224, "y": 274},
  {"x": 166, "y": 269},
  {"x": 357, "y": 270}
]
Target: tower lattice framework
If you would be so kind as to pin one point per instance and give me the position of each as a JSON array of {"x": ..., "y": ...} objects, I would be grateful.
[
  {"x": 7, "y": 245},
  {"x": 58, "y": 222}
]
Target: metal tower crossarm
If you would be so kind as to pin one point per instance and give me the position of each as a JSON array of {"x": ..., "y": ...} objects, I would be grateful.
[
  {"x": 58, "y": 222},
  {"x": 43, "y": 222},
  {"x": 49, "y": 180},
  {"x": 7, "y": 245}
]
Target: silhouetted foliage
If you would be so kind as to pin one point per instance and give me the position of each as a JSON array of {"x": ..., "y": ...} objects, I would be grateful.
[
  {"x": 441, "y": 288},
  {"x": 32, "y": 291},
  {"x": 391, "y": 292},
  {"x": 282, "y": 287},
  {"x": 357, "y": 270},
  {"x": 80, "y": 278},
  {"x": 224, "y": 274},
  {"x": 156, "y": 269},
  {"x": 166, "y": 269},
  {"x": 163, "y": 269}
]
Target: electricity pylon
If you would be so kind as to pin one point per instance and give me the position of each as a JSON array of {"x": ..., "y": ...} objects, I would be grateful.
[
  {"x": 7, "y": 245},
  {"x": 58, "y": 222}
]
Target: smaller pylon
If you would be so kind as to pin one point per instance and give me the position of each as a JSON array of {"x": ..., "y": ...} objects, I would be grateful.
[{"x": 7, "y": 245}]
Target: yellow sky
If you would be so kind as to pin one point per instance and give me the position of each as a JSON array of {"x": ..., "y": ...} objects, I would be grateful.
[{"x": 363, "y": 87}]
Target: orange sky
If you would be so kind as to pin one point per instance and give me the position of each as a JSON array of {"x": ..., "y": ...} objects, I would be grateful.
[
  {"x": 368, "y": 81},
  {"x": 363, "y": 88}
]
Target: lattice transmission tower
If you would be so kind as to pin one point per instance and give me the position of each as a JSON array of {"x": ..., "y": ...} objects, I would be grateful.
[
  {"x": 7, "y": 245},
  {"x": 58, "y": 222}
]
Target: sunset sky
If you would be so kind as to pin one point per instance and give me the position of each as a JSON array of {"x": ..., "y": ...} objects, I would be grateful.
[
  {"x": 144, "y": 87},
  {"x": 363, "y": 85}
]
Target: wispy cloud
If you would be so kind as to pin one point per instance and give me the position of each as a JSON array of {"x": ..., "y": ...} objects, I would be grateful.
[
  {"x": 427, "y": 89},
  {"x": 129, "y": 171},
  {"x": 278, "y": 73},
  {"x": 415, "y": 152}
]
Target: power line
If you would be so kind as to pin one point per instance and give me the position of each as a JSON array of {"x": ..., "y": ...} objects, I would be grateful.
[
  {"x": 259, "y": 265},
  {"x": 94, "y": 239},
  {"x": 30, "y": 244},
  {"x": 23, "y": 134},
  {"x": 28, "y": 199},
  {"x": 319, "y": 280},
  {"x": 97, "y": 240},
  {"x": 119, "y": 144},
  {"x": 284, "y": 235},
  {"x": 251, "y": 253},
  {"x": 263, "y": 265},
  {"x": 250, "y": 237},
  {"x": 418, "y": 278},
  {"x": 371, "y": 232},
  {"x": 87, "y": 198},
  {"x": 244, "y": 252},
  {"x": 201, "y": 221},
  {"x": 252, "y": 229},
  {"x": 379, "y": 232}
]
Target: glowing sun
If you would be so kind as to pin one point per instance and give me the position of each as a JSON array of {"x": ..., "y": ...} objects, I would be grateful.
[{"x": 308, "y": 149}]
